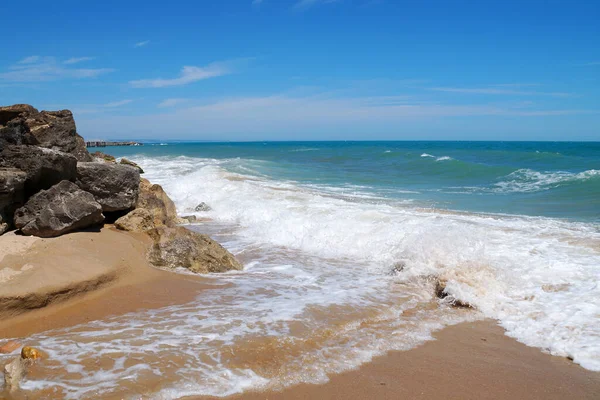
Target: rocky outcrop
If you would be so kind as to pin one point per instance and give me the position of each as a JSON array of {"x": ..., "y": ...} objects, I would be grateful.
[
  {"x": 138, "y": 220},
  {"x": 202, "y": 207},
  {"x": 179, "y": 247},
  {"x": 153, "y": 198},
  {"x": 12, "y": 195},
  {"x": 56, "y": 130},
  {"x": 13, "y": 125},
  {"x": 114, "y": 186},
  {"x": 100, "y": 156},
  {"x": 44, "y": 167},
  {"x": 125, "y": 161},
  {"x": 62, "y": 208}
]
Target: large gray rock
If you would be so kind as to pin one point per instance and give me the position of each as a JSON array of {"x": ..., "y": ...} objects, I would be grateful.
[
  {"x": 179, "y": 247},
  {"x": 13, "y": 125},
  {"x": 62, "y": 208},
  {"x": 12, "y": 195},
  {"x": 56, "y": 130},
  {"x": 44, "y": 167},
  {"x": 114, "y": 186}
]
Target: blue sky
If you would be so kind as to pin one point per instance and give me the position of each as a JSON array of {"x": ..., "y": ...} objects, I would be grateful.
[{"x": 309, "y": 69}]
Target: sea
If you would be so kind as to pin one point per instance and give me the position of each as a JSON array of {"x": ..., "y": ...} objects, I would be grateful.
[{"x": 343, "y": 244}]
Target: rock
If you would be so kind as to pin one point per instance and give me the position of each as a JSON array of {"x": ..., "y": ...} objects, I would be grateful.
[
  {"x": 114, "y": 186},
  {"x": 14, "y": 372},
  {"x": 138, "y": 220},
  {"x": 441, "y": 293},
  {"x": 44, "y": 167},
  {"x": 30, "y": 353},
  {"x": 202, "y": 207},
  {"x": 179, "y": 247},
  {"x": 153, "y": 198},
  {"x": 62, "y": 208},
  {"x": 189, "y": 218},
  {"x": 98, "y": 155},
  {"x": 12, "y": 195},
  {"x": 125, "y": 161},
  {"x": 56, "y": 130},
  {"x": 13, "y": 125},
  {"x": 9, "y": 347},
  {"x": 8, "y": 113}
]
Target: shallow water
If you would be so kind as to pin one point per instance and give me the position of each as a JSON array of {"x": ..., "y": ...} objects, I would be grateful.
[{"x": 340, "y": 264}]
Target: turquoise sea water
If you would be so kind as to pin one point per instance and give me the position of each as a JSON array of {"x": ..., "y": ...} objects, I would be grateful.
[{"x": 552, "y": 179}]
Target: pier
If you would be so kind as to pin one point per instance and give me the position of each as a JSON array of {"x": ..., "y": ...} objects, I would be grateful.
[{"x": 100, "y": 143}]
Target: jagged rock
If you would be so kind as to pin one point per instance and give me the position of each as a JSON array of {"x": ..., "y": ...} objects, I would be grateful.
[
  {"x": 44, "y": 167},
  {"x": 12, "y": 195},
  {"x": 8, "y": 113},
  {"x": 14, "y": 372},
  {"x": 202, "y": 207},
  {"x": 13, "y": 125},
  {"x": 138, "y": 220},
  {"x": 153, "y": 198},
  {"x": 441, "y": 293},
  {"x": 179, "y": 247},
  {"x": 125, "y": 161},
  {"x": 189, "y": 218},
  {"x": 98, "y": 155},
  {"x": 56, "y": 130},
  {"x": 114, "y": 186},
  {"x": 62, "y": 208}
]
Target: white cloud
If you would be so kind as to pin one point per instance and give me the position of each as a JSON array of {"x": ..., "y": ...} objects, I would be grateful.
[
  {"x": 142, "y": 44},
  {"x": 506, "y": 89},
  {"x": 75, "y": 60},
  {"x": 38, "y": 69},
  {"x": 305, "y": 4},
  {"x": 189, "y": 74},
  {"x": 117, "y": 103},
  {"x": 171, "y": 102},
  {"x": 29, "y": 60}
]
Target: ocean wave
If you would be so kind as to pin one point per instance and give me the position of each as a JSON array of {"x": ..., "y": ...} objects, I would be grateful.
[
  {"x": 426, "y": 155},
  {"x": 527, "y": 180},
  {"x": 444, "y": 158}
]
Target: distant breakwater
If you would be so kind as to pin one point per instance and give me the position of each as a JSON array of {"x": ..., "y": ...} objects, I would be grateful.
[{"x": 98, "y": 143}]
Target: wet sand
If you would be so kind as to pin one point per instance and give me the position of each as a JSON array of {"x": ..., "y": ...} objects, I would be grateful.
[{"x": 467, "y": 361}]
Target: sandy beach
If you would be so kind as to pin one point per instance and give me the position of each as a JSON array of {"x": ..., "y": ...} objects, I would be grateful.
[{"x": 467, "y": 361}]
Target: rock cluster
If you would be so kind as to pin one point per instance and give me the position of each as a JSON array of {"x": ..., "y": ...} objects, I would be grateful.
[{"x": 50, "y": 185}]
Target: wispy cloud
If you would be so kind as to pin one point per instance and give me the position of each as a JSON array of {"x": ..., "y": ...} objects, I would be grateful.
[
  {"x": 75, "y": 60},
  {"x": 189, "y": 74},
  {"x": 171, "y": 102},
  {"x": 39, "y": 69},
  {"x": 117, "y": 103},
  {"x": 506, "y": 89},
  {"x": 305, "y": 4},
  {"x": 142, "y": 44}
]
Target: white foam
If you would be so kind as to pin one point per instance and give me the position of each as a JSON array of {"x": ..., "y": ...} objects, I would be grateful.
[
  {"x": 426, "y": 155},
  {"x": 314, "y": 255},
  {"x": 527, "y": 180}
]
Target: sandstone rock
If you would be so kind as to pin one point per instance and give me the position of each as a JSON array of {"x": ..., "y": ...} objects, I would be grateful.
[
  {"x": 202, "y": 207},
  {"x": 8, "y": 113},
  {"x": 179, "y": 247},
  {"x": 98, "y": 155},
  {"x": 44, "y": 167},
  {"x": 189, "y": 218},
  {"x": 56, "y": 130},
  {"x": 138, "y": 220},
  {"x": 125, "y": 161},
  {"x": 62, "y": 208},
  {"x": 154, "y": 199},
  {"x": 9, "y": 347},
  {"x": 12, "y": 195},
  {"x": 14, "y": 372},
  {"x": 114, "y": 186}
]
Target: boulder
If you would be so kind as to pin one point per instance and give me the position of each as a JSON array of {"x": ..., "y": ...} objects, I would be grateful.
[
  {"x": 100, "y": 156},
  {"x": 56, "y": 130},
  {"x": 62, "y": 208},
  {"x": 114, "y": 186},
  {"x": 8, "y": 113},
  {"x": 153, "y": 198},
  {"x": 180, "y": 247},
  {"x": 44, "y": 167},
  {"x": 125, "y": 161},
  {"x": 14, "y": 372},
  {"x": 12, "y": 195},
  {"x": 138, "y": 220},
  {"x": 202, "y": 207},
  {"x": 189, "y": 219}
]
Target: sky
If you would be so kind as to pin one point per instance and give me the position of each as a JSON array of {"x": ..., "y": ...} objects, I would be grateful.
[{"x": 309, "y": 69}]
